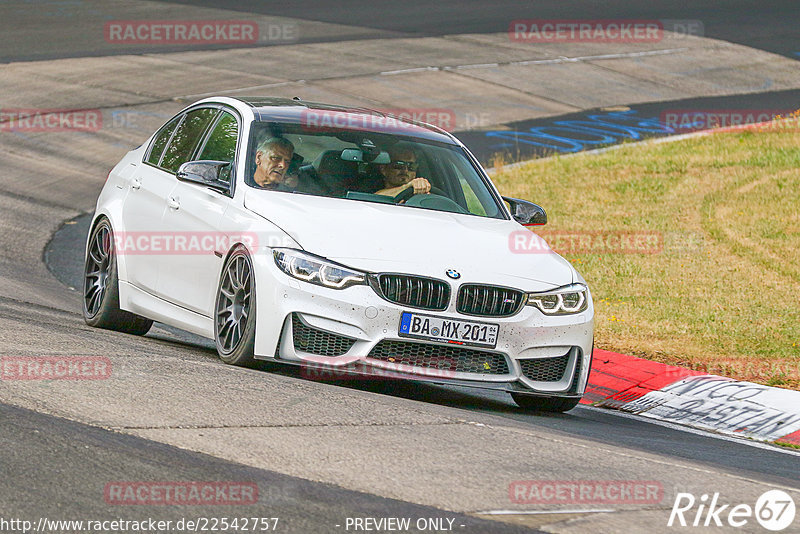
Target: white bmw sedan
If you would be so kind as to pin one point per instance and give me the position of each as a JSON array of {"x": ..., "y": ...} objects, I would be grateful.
[{"x": 339, "y": 239}]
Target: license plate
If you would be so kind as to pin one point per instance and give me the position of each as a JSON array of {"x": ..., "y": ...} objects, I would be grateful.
[{"x": 456, "y": 332}]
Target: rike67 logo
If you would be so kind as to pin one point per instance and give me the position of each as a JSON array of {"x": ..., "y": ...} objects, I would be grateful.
[{"x": 774, "y": 510}]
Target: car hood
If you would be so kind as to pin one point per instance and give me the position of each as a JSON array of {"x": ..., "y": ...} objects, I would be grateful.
[{"x": 385, "y": 238}]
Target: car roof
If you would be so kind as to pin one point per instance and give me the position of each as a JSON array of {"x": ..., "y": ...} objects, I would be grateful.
[{"x": 326, "y": 116}]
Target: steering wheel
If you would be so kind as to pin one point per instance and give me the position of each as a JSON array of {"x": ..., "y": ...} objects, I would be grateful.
[{"x": 408, "y": 192}]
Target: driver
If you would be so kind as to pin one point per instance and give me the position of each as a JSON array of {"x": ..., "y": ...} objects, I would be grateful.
[
  {"x": 273, "y": 157},
  {"x": 401, "y": 173}
]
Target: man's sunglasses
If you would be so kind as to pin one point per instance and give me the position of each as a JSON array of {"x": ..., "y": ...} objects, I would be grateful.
[{"x": 400, "y": 165}]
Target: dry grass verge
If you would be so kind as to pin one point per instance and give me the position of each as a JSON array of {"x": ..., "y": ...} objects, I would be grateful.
[{"x": 722, "y": 291}]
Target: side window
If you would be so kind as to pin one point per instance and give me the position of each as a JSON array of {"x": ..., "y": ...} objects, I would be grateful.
[
  {"x": 476, "y": 198},
  {"x": 160, "y": 141},
  {"x": 187, "y": 136},
  {"x": 221, "y": 144},
  {"x": 473, "y": 204}
]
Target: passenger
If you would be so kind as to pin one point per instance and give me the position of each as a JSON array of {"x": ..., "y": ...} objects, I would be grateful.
[
  {"x": 273, "y": 157},
  {"x": 401, "y": 173}
]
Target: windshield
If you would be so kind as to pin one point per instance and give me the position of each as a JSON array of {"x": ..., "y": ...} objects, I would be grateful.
[{"x": 367, "y": 167}]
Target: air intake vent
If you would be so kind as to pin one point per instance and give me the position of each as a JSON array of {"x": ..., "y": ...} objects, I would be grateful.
[
  {"x": 545, "y": 369},
  {"x": 309, "y": 339},
  {"x": 454, "y": 359}
]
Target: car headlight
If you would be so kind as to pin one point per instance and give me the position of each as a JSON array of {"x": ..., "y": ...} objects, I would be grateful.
[
  {"x": 573, "y": 298},
  {"x": 316, "y": 270}
]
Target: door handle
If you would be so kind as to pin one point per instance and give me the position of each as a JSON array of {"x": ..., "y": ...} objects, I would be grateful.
[
  {"x": 136, "y": 183},
  {"x": 173, "y": 203}
]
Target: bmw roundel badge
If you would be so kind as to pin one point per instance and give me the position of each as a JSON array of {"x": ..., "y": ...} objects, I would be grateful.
[{"x": 452, "y": 273}]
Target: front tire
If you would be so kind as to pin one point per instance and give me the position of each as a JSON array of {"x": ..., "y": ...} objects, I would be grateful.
[
  {"x": 101, "y": 286},
  {"x": 544, "y": 404},
  {"x": 235, "y": 311}
]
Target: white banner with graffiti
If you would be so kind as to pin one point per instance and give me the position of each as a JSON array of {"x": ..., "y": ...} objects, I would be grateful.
[{"x": 724, "y": 405}]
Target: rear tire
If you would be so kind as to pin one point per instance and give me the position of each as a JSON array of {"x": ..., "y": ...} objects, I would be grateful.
[
  {"x": 544, "y": 404},
  {"x": 101, "y": 286},
  {"x": 235, "y": 311}
]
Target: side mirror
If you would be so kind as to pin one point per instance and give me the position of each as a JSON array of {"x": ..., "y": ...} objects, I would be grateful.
[
  {"x": 526, "y": 213},
  {"x": 210, "y": 173}
]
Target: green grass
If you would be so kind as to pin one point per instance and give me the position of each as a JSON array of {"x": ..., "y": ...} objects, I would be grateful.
[{"x": 724, "y": 293}]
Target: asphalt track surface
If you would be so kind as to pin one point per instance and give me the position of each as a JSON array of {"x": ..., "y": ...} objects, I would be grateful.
[
  {"x": 55, "y": 467},
  {"x": 603, "y": 426},
  {"x": 769, "y": 25},
  {"x": 33, "y": 494}
]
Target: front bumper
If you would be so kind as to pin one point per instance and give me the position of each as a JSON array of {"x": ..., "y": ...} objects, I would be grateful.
[{"x": 353, "y": 333}]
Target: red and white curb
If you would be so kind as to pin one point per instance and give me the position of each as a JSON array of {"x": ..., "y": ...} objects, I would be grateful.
[{"x": 693, "y": 398}]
